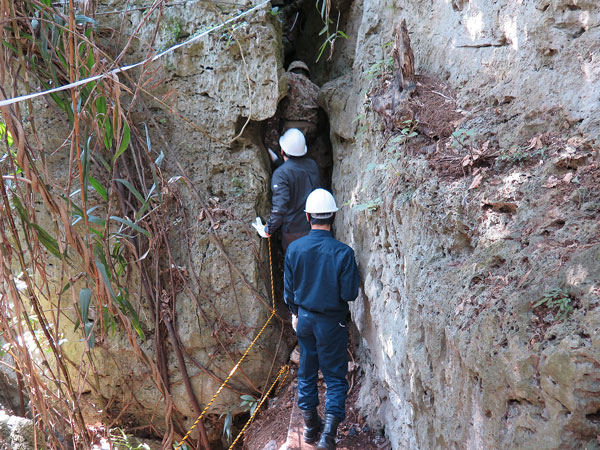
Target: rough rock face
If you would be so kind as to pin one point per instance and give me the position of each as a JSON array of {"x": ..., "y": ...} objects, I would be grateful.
[
  {"x": 16, "y": 433},
  {"x": 456, "y": 352},
  {"x": 213, "y": 87},
  {"x": 529, "y": 65}
]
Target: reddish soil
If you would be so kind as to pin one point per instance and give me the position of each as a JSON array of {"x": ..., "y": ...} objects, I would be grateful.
[{"x": 272, "y": 423}]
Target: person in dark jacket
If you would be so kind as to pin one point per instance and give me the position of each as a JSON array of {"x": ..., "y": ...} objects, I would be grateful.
[
  {"x": 291, "y": 183},
  {"x": 320, "y": 278}
]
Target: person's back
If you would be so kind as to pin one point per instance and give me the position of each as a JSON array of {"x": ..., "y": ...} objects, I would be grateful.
[
  {"x": 324, "y": 274},
  {"x": 320, "y": 278},
  {"x": 291, "y": 184},
  {"x": 300, "y": 108}
]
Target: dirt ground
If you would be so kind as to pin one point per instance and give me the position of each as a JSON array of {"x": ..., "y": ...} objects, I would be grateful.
[{"x": 272, "y": 423}]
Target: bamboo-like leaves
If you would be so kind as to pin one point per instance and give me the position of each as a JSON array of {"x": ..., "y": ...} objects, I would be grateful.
[
  {"x": 132, "y": 225},
  {"x": 5, "y": 135},
  {"x": 85, "y": 296},
  {"x": 101, "y": 190},
  {"x": 21, "y": 211},
  {"x": 121, "y": 300},
  {"x": 132, "y": 189},
  {"x": 125, "y": 139},
  {"x": 104, "y": 274},
  {"x": 88, "y": 328},
  {"x": 104, "y": 124},
  {"x": 43, "y": 236},
  {"x": 45, "y": 48},
  {"x": 81, "y": 19},
  {"x": 47, "y": 241}
]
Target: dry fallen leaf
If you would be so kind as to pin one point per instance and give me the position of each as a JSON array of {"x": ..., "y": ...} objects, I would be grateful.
[
  {"x": 535, "y": 143},
  {"x": 476, "y": 181},
  {"x": 568, "y": 177},
  {"x": 523, "y": 278},
  {"x": 551, "y": 182}
]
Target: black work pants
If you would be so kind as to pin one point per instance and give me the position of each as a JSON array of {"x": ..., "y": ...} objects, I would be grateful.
[{"x": 288, "y": 238}]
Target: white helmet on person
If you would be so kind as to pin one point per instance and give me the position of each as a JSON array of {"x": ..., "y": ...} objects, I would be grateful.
[
  {"x": 298, "y": 65},
  {"x": 293, "y": 142},
  {"x": 320, "y": 204}
]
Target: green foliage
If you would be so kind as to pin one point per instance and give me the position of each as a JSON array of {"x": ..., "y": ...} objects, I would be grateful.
[
  {"x": 558, "y": 300},
  {"x": 227, "y": 426},
  {"x": 362, "y": 129},
  {"x": 249, "y": 403},
  {"x": 274, "y": 11},
  {"x": 125, "y": 139},
  {"x": 238, "y": 186},
  {"x": 6, "y": 140},
  {"x": 370, "y": 205},
  {"x": 407, "y": 132},
  {"x": 380, "y": 67},
  {"x": 5, "y": 135},
  {"x": 330, "y": 36},
  {"x": 228, "y": 36},
  {"x": 330, "y": 41},
  {"x": 173, "y": 31},
  {"x": 85, "y": 296},
  {"x": 121, "y": 441},
  {"x": 519, "y": 154},
  {"x": 461, "y": 137},
  {"x": 43, "y": 236},
  {"x": 98, "y": 228},
  {"x": 121, "y": 298}
]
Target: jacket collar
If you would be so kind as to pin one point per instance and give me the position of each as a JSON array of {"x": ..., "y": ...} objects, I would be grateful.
[{"x": 320, "y": 233}]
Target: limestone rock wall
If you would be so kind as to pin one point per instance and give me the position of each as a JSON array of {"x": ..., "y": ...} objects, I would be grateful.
[
  {"x": 211, "y": 86},
  {"x": 456, "y": 354}
]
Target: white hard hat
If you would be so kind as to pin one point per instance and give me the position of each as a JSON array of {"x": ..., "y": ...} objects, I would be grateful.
[
  {"x": 320, "y": 204},
  {"x": 293, "y": 142},
  {"x": 298, "y": 65}
]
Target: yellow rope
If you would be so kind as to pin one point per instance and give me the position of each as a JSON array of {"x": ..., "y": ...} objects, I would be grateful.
[
  {"x": 235, "y": 368},
  {"x": 285, "y": 369},
  {"x": 271, "y": 271}
]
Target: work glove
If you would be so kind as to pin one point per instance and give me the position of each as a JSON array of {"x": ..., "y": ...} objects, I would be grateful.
[
  {"x": 260, "y": 227},
  {"x": 273, "y": 155},
  {"x": 294, "y": 321}
]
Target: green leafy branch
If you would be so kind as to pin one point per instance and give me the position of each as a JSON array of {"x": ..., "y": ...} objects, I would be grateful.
[
  {"x": 559, "y": 300},
  {"x": 249, "y": 403},
  {"x": 330, "y": 36}
]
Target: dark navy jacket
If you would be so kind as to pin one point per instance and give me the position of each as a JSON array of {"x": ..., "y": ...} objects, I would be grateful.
[
  {"x": 320, "y": 275},
  {"x": 291, "y": 184}
]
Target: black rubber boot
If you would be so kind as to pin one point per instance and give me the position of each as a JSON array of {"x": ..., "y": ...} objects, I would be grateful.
[
  {"x": 312, "y": 425},
  {"x": 327, "y": 441}
]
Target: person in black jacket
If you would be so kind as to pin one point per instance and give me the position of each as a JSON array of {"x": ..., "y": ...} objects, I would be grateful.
[
  {"x": 320, "y": 278},
  {"x": 291, "y": 183}
]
